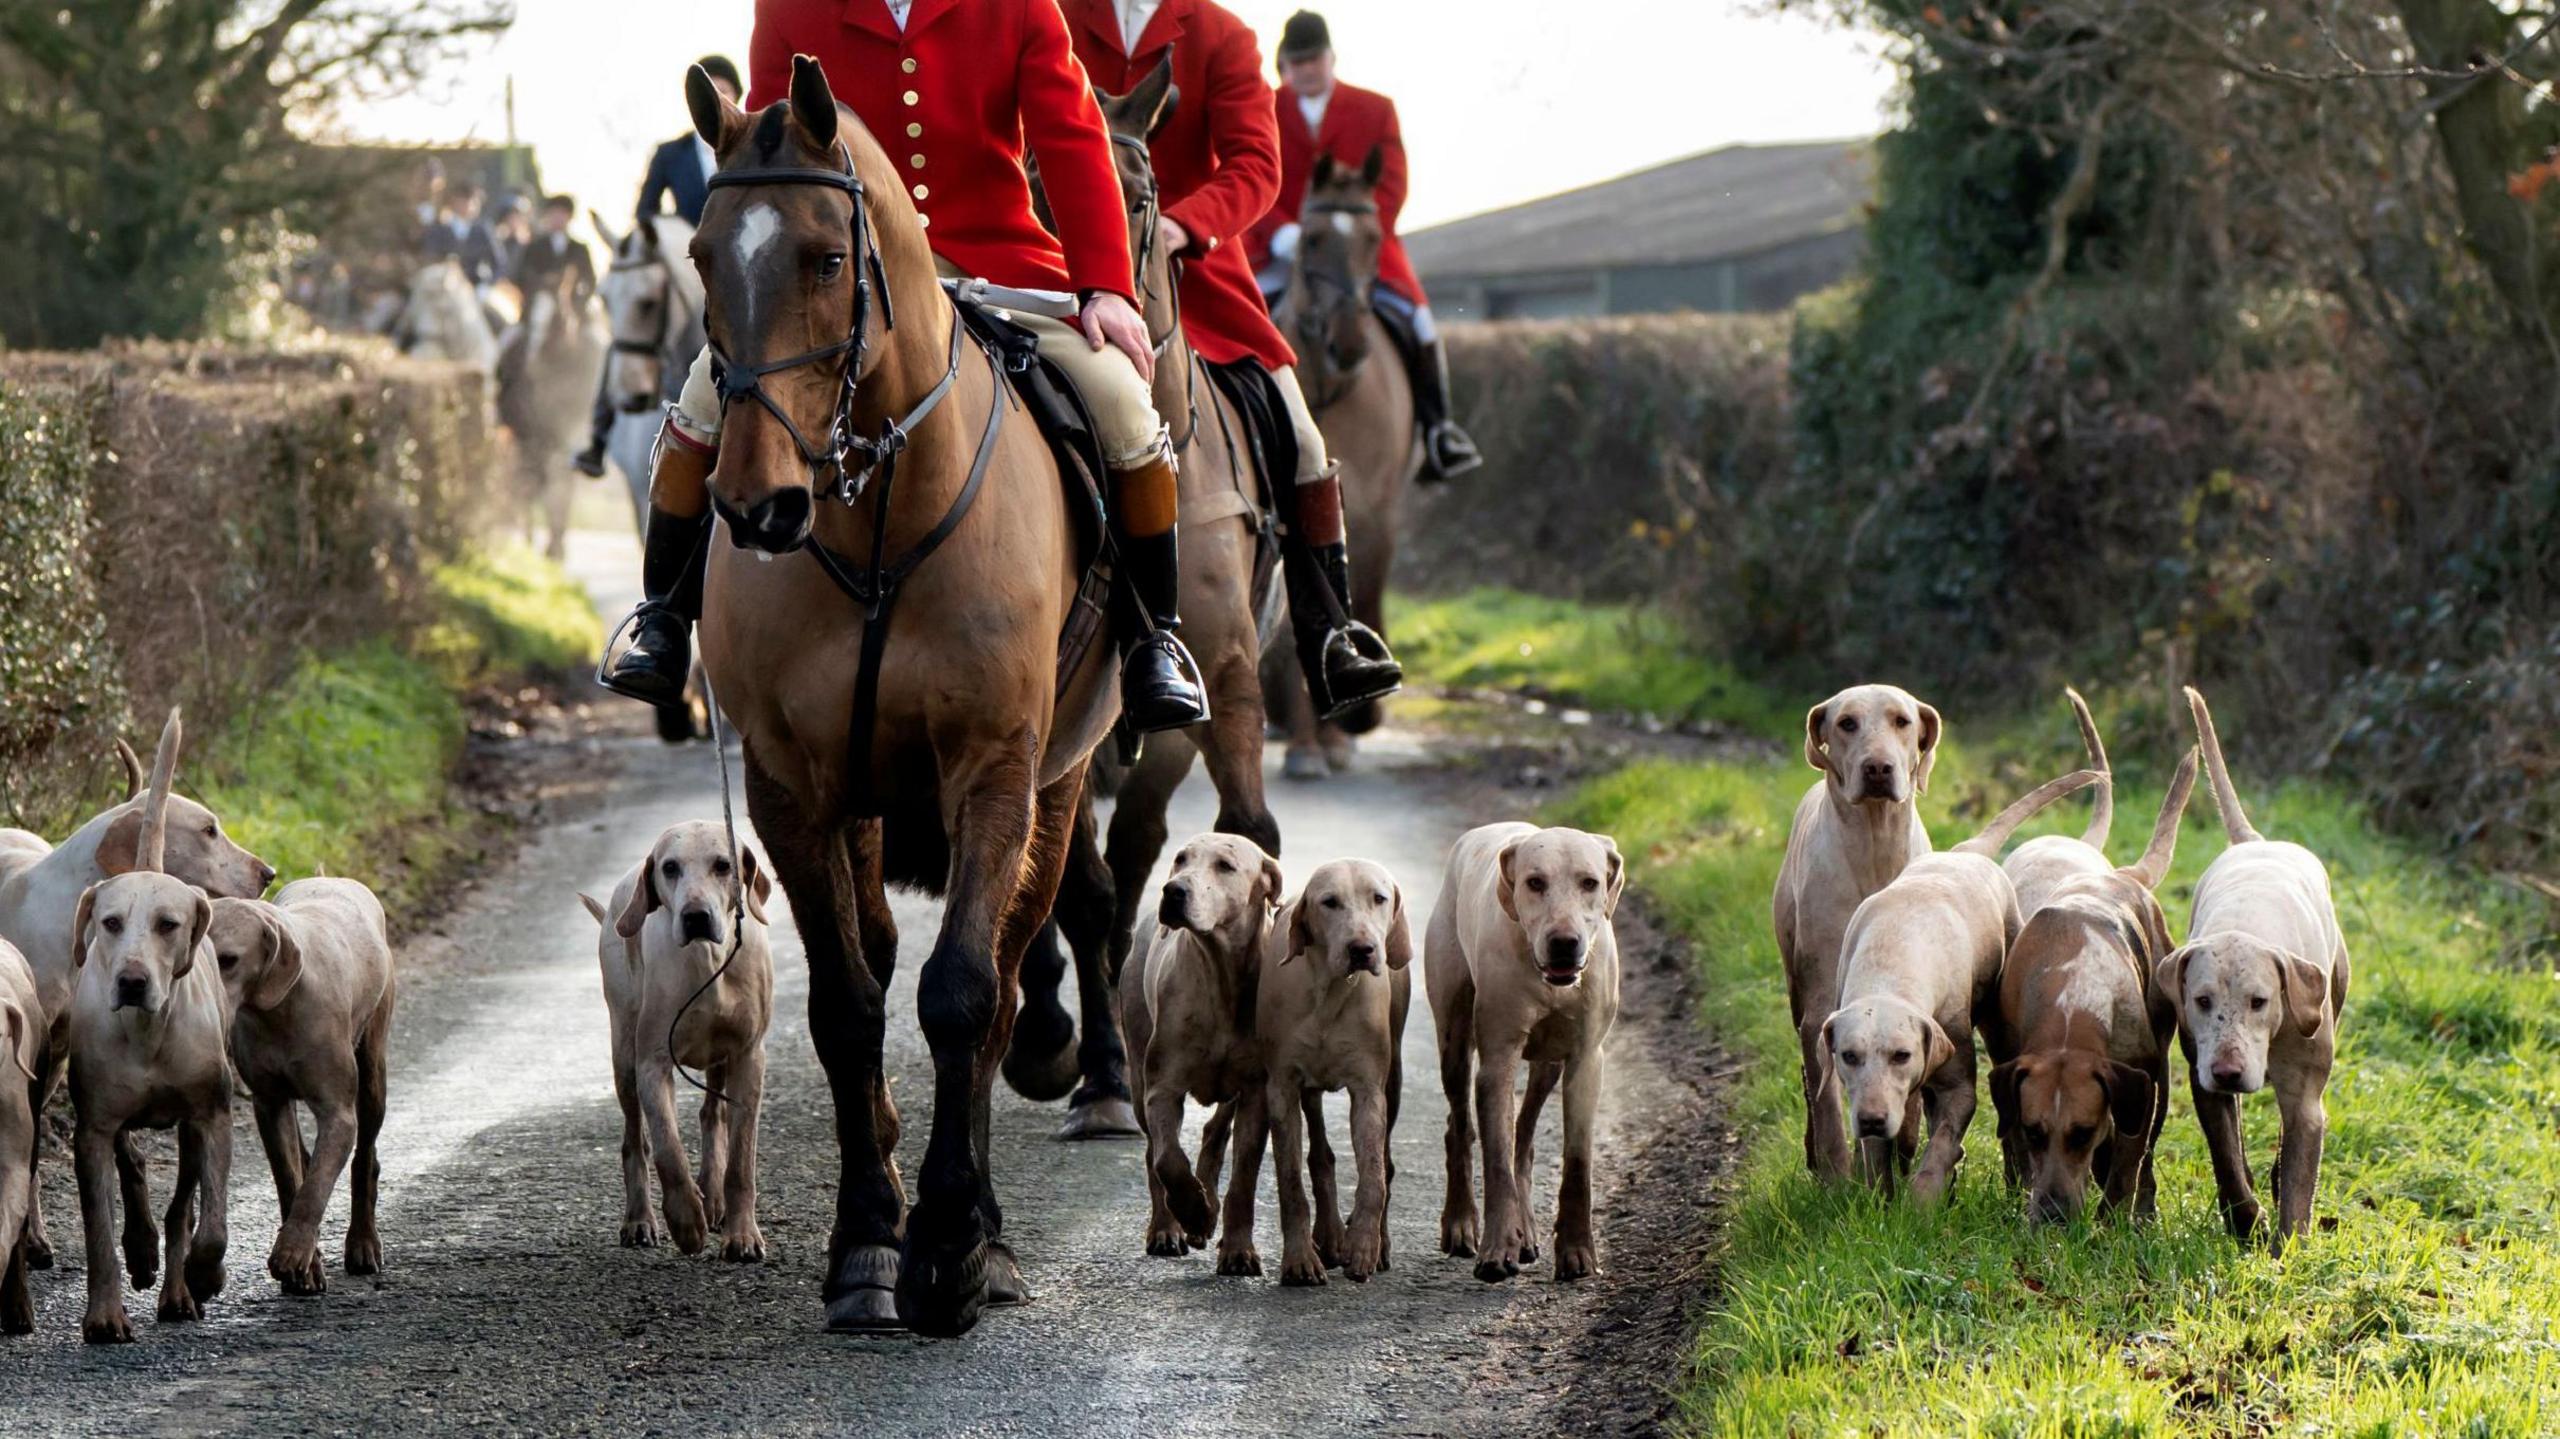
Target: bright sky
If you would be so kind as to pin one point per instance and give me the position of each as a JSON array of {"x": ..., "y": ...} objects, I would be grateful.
[{"x": 1502, "y": 100}]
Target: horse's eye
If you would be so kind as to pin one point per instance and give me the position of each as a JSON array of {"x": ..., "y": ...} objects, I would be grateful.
[{"x": 829, "y": 268}]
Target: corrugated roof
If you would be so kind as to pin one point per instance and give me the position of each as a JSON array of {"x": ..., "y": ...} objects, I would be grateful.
[{"x": 1733, "y": 201}]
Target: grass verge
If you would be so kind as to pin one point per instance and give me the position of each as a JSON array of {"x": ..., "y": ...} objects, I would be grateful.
[
  {"x": 1615, "y": 658},
  {"x": 2428, "y": 1303},
  {"x": 348, "y": 763}
]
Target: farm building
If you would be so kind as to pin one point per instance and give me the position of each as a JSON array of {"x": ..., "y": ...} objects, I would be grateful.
[{"x": 1747, "y": 227}]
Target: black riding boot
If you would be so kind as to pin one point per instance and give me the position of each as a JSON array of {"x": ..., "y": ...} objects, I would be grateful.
[
  {"x": 655, "y": 658},
  {"x": 1447, "y": 450},
  {"x": 1160, "y": 686},
  {"x": 590, "y": 461},
  {"x": 1347, "y": 664}
]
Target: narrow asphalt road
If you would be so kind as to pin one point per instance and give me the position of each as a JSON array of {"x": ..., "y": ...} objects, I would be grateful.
[{"x": 506, "y": 1305}]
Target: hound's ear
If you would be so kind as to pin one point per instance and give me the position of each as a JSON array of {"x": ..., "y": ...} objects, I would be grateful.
[
  {"x": 1827, "y": 1054},
  {"x": 132, "y": 768},
  {"x": 1271, "y": 882},
  {"x": 812, "y": 103},
  {"x": 2169, "y": 978},
  {"x": 1502, "y": 876},
  {"x": 2005, "y": 1079},
  {"x": 196, "y": 926},
  {"x": 1931, "y": 727},
  {"x": 1817, "y": 751},
  {"x": 1940, "y": 1048},
  {"x": 80, "y": 926},
  {"x": 1300, "y": 937},
  {"x": 758, "y": 885},
  {"x": 2306, "y": 993},
  {"x": 1617, "y": 876},
  {"x": 1399, "y": 936},
  {"x": 284, "y": 964},
  {"x": 120, "y": 848},
  {"x": 711, "y": 111},
  {"x": 644, "y": 898},
  {"x": 13, "y": 1032},
  {"x": 1373, "y": 165},
  {"x": 2132, "y": 1101}
]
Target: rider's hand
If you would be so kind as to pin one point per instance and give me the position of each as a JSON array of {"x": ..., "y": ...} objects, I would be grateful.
[
  {"x": 1176, "y": 239},
  {"x": 1108, "y": 320}
]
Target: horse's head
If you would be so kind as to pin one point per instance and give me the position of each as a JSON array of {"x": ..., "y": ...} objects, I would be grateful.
[
  {"x": 1339, "y": 240},
  {"x": 802, "y": 201},
  {"x": 650, "y": 311},
  {"x": 1133, "y": 120}
]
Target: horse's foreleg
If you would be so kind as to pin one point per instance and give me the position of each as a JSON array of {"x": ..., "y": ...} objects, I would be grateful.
[
  {"x": 1231, "y": 746},
  {"x": 964, "y": 1004},
  {"x": 847, "y": 1025},
  {"x": 1087, "y": 913}
]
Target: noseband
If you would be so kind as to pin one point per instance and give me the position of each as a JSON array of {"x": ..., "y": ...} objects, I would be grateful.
[{"x": 829, "y": 468}]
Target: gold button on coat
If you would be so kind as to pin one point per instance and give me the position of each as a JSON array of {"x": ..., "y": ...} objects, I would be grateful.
[
  {"x": 910, "y": 97},
  {"x": 922, "y": 191},
  {"x": 914, "y": 130},
  {"x": 915, "y": 162},
  {"x": 908, "y": 65}
]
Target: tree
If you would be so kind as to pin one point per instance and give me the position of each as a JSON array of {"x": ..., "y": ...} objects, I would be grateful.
[{"x": 149, "y": 145}]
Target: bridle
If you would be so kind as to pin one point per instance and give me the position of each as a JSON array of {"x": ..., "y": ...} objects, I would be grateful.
[
  {"x": 671, "y": 298},
  {"x": 1147, "y": 208},
  {"x": 1343, "y": 289},
  {"x": 830, "y": 470}
]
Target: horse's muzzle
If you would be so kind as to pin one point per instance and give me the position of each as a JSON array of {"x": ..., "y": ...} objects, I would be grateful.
[{"x": 776, "y": 524}]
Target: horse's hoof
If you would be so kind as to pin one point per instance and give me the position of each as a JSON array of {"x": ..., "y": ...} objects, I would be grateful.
[
  {"x": 940, "y": 1290},
  {"x": 1109, "y": 1117},
  {"x": 1361, "y": 718},
  {"x": 1303, "y": 764},
  {"x": 1040, "y": 1064},
  {"x": 1005, "y": 1287},
  {"x": 866, "y": 1301}
]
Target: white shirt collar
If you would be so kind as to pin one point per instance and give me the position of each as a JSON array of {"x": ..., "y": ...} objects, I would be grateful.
[
  {"x": 898, "y": 12},
  {"x": 1134, "y": 15},
  {"x": 1313, "y": 108}
]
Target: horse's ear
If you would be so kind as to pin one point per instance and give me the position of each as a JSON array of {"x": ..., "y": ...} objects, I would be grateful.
[
  {"x": 646, "y": 227},
  {"x": 1151, "y": 103},
  {"x": 1373, "y": 165},
  {"x": 1324, "y": 171},
  {"x": 711, "y": 110},
  {"x": 604, "y": 231},
  {"x": 812, "y": 103}
]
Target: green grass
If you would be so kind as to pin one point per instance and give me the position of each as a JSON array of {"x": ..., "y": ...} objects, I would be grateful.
[
  {"x": 2432, "y": 1307},
  {"x": 345, "y": 765},
  {"x": 1608, "y": 657}
]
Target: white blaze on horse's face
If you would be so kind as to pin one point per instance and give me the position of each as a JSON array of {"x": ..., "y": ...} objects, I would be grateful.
[
  {"x": 1342, "y": 223},
  {"x": 758, "y": 228}
]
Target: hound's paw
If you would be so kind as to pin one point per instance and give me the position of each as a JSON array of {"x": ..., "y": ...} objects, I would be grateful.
[
  {"x": 2242, "y": 1219},
  {"x": 204, "y": 1272},
  {"x": 1458, "y": 1234},
  {"x": 296, "y": 1266},
  {"x": 17, "y": 1313},
  {"x": 1493, "y": 1269},
  {"x": 685, "y": 1223},
  {"x": 39, "y": 1252},
  {"x": 1362, "y": 1255},
  {"x": 1301, "y": 1266},
  {"x": 640, "y": 1233},
  {"x": 1330, "y": 1244},
  {"x": 1575, "y": 1258},
  {"x": 142, "y": 1258},
  {"x": 1165, "y": 1239},
  {"x": 1241, "y": 1261},
  {"x": 177, "y": 1306},
  {"x": 1190, "y": 1205},
  {"x": 364, "y": 1254},
  {"x": 106, "y": 1326},
  {"x": 743, "y": 1244}
]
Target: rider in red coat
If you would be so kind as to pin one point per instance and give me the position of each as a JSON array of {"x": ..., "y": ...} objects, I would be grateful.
[
  {"x": 956, "y": 91},
  {"x": 1319, "y": 115},
  {"x": 1216, "y": 160}
]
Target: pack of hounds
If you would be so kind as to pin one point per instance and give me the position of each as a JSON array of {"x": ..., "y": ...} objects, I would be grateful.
[{"x": 139, "y": 957}]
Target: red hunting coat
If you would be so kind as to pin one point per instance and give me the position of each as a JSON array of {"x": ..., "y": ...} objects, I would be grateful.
[
  {"x": 954, "y": 99},
  {"x": 1354, "y": 121},
  {"x": 1217, "y": 159}
]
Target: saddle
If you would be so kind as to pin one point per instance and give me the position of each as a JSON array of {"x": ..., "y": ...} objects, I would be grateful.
[{"x": 1271, "y": 442}]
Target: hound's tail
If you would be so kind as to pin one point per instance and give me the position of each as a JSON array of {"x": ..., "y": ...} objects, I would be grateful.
[
  {"x": 132, "y": 768},
  {"x": 594, "y": 906},
  {"x": 2153, "y": 867},
  {"x": 2226, "y": 800},
  {"x": 2102, "y": 805},
  {"x": 2006, "y": 822},
  {"x": 155, "y": 799}
]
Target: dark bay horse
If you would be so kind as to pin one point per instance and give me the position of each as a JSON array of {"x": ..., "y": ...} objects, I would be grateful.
[
  {"x": 1222, "y": 622},
  {"x": 1363, "y": 401},
  {"x": 860, "y": 420}
]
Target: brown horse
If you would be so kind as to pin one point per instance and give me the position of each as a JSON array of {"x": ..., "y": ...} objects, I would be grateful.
[
  {"x": 1221, "y": 622},
  {"x": 964, "y": 774},
  {"x": 1363, "y": 401}
]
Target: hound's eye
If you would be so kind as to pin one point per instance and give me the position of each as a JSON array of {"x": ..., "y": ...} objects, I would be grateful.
[
  {"x": 1537, "y": 884},
  {"x": 112, "y": 924},
  {"x": 1590, "y": 885},
  {"x": 2257, "y": 1002},
  {"x": 2080, "y": 1136},
  {"x": 671, "y": 870},
  {"x": 1377, "y": 899},
  {"x": 720, "y": 868},
  {"x": 1849, "y": 725},
  {"x": 229, "y": 961},
  {"x": 2036, "y": 1135},
  {"x": 1226, "y": 866},
  {"x": 212, "y": 830},
  {"x": 2204, "y": 1004},
  {"x": 165, "y": 925},
  {"x": 1902, "y": 1056},
  {"x": 1851, "y": 1058},
  {"x": 1331, "y": 901},
  {"x": 1902, "y": 721},
  {"x": 829, "y": 268}
]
